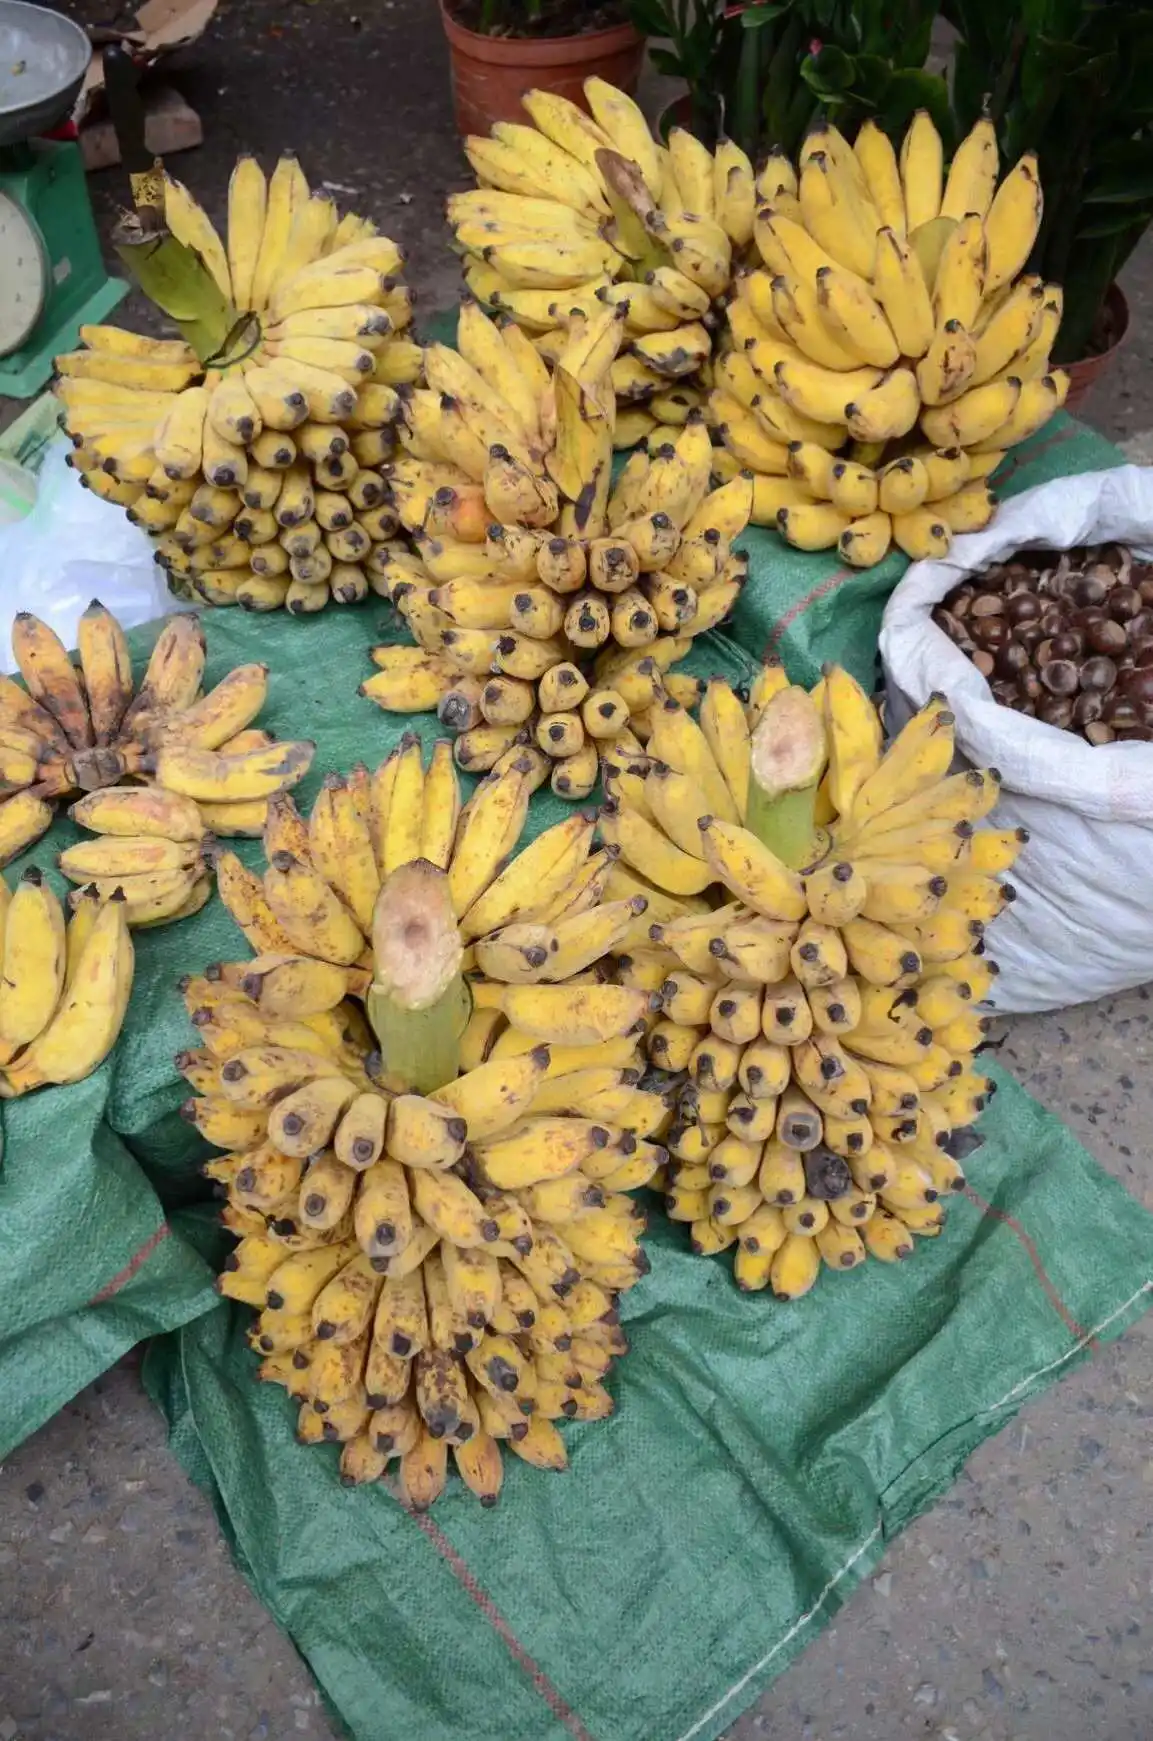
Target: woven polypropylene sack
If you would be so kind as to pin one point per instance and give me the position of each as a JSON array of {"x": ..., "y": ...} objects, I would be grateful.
[{"x": 760, "y": 1457}]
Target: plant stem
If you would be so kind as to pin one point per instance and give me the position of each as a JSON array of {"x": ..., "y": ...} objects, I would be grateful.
[
  {"x": 420, "y": 1049},
  {"x": 176, "y": 279},
  {"x": 418, "y": 1004},
  {"x": 784, "y": 823}
]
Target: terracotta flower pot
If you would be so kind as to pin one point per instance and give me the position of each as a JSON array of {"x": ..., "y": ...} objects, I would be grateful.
[
  {"x": 490, "y": 73},
  {"x": 1084, "y": 375}
]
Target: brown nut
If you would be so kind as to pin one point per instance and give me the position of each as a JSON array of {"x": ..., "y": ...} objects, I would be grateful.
[
  {"x": 1022, "y": 607},
  {"x": 1031, "y": 686},
  {"x": 953, "y": 626},
  {"x": 1087, "y": 708},
  {"x": 1141, "y": 734},
  {"x": 1140, "y": 625},
  {"x": 1057, "y": 710},
  {"x": 983, "y": 662},
  {"x": 987, "y": 604},
  {"x": 1098, "y": 733},
  {"x": 1069, "y": 644},
  {"x": 1098, "y": 675},
  {"x": 1090, "y": 589},
  {"x": 1029, "y": 636},
  {"x": 1106, "y": 636},
  {"x": 1138, "y": 687},
  {"x": 1060, "y": 677},
  {"x": 1012, "y": 659},
  {"x": 1123, "y": 602},
  {"x": 1042, "y": 653},
  {"x": 1052, "y": 619},
  {"x": 1120, "y": 712},
  {"x": 991, "y": 632}
]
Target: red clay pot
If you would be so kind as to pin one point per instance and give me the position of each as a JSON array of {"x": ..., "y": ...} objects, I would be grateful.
[
  {"x": 1083, "y": 376},
  {"x": 491, "y": 73}
]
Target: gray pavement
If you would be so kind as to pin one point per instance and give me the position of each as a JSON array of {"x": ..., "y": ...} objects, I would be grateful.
[{"x": 1019, "y": 1609}]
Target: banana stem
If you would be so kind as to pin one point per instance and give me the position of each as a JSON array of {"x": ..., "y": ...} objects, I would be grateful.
[
  {"x": 176, "y": 279},
  {"x": 786, "y": 763},
  {"x": 419, "y": 1049},
  {"x": 784, "y": 822},
  {"x": 418, "y": 1004}
]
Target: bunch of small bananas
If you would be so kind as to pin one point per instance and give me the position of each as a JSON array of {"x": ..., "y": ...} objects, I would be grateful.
[
  {"x": 575, "y": 211},
  {"x": 255, "y": 469},
  {"x": 430, "y": 1202},
  {"x": 891, "y": 350},
  {"x": 65, "y": 984},
  {"x": 828, "y": 1012},
  {"x": 200, "y": 764},
  {"x": 537, "y": 591}
]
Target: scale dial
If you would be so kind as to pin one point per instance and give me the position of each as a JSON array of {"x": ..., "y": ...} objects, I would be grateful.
[{"x": 24, "y": 274}]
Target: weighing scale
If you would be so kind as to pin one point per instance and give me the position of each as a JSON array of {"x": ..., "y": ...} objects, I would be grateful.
[{"x": 52, "y": 277}]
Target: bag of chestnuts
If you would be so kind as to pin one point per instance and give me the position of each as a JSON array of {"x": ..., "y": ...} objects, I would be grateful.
[{"x": 1040, "y": 632}]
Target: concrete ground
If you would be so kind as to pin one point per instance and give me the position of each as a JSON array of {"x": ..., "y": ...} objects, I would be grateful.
[{"x": 1017, "y": 1610}]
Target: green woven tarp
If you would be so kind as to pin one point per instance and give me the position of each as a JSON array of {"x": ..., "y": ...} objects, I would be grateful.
[
  {"x": 761, "y": 1453},
  {"x": 760, "y": 1458}
]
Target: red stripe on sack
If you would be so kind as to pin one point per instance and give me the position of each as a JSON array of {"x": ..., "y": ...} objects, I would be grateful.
[
  {"x": 1034, "y": 1256},
  {"x": 783, "y": 624},
  {"x": 464, "y": 1577},
  {"x": 1015, "y": 465},
  {"x": 130, "y": 1268}
]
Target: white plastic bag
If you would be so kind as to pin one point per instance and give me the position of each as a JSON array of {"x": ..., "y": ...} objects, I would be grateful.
[
  {"x": 1082, "y": 924},
  {"x": 70, "y": 549}
]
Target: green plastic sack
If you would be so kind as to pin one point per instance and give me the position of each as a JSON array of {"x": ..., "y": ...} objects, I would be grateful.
[{"x": 761, "y": 1457}]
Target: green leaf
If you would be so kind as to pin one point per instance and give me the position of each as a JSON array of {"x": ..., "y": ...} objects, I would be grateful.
[
  {"x": 756, "y": 17},
  {"x": 1113, "y": 223},
  {"x": 669, "y": 64},
  {"x": 650, "y": 17},
  {"x": 830, "y": 71}
]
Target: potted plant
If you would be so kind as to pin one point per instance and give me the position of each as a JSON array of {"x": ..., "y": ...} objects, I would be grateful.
[
  {"x": 1072, "y": 80},
  {"x": 501, "y": 48},
  {"x": 759, "y": 72}
]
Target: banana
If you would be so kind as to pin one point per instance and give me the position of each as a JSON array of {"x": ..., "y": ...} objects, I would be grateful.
[
  {"x": 812, "y": 525},
  {"x": 247, "y": 202},
  {"x": 836, "y": 215},
  {"x": 823, "y": 394},
  {"x": 309, "y": 913},
  {"x": 107, "y": 668},
  {"x": 1013, "y": 221},
  {"x": 34, "y": 961},
  {"x": 922, "y": 166},
  {"x": 972, "y": 177},
  {"x": 878, "y": 163},
  {"x": 886, "y": 410},
  {"x": 1037, "y": 401},
  {"x": 85, "y": 1024},
  {"x": 946, "y": 369},
  {"x": 51, "y": 677},
  {"x": 222, "y": 778},
  {"x": 856, "y": 318}
]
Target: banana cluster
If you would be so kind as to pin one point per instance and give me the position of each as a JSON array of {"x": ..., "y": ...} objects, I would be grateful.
[
  {"x": 257, "y": 474},
  {"x": 828, "y": 1015},
  {"x": 65, "y": 983},
  {"x": 546, "y": 602},
  {"x": 890, "y": 349},
  {"x": 439, "y": 1267},
  {"x": 574, "y": 211},
  {"x": 196, "y": 760}
]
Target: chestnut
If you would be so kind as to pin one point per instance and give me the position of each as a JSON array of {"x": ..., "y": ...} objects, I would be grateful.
[
  {"x": 983, "y": 662},
  {"x": 1056, "y": 710},
  {"x": 1141, "y": 652},
  {"x": 952, "y": 625},
  {"x": 1052, "y": 620},
  {"x": 1106, "y": 636},
  {"x": 1120, "y": 712},
  {"x": 1011, "y": 659},
  {"x": 1089, "y": 590},
  {"x": 1042, "y": 653},
  {"x": 1140, "y": 624},
  {"x": 990, "y": 632},
  {"x": 1098, "y": 733},
  {"x": 1031, "y": 686},
  {"x": 1060, "y": 677},
  {"x": 1087, "y": 708},
  {"x": 1084, "y": 618},
  {"x": 1123, "y": 602},
  {"x": 1138, "y": 687},
  {"x": 1022, "y": 607},
  {"x": 1141, "y": 734},
  {"x": 1028, "y": 635},
  {"x": 987, "y": 604},
  {"x": 1069, "y": 644},
  {"x": 1099, "y": 675}
]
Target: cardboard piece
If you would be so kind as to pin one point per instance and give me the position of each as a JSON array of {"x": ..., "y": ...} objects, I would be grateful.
[{"x": 161, "y": 27}]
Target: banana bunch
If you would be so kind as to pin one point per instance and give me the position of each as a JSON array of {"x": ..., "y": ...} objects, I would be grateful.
[
  {"x": 427, "y": 1146},
  {"x": 159, "y": 766},
  {"x": 816, "y": 965},
  {"x": 545, "y": 602},
  {"x": 65, "y": 983},
  {"x": 890, "y": 348},
  {"x": 579, "y": 210},
  {"x": 255, "y": 470}
]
